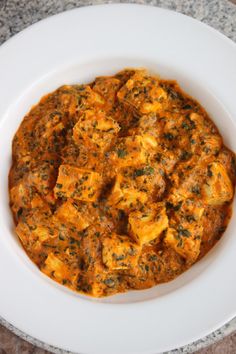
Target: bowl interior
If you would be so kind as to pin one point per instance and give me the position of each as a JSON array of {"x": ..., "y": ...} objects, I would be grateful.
[{"x": 82, "y": 73}]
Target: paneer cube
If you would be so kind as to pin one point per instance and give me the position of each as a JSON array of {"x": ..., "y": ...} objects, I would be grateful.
[
  {"x": 55, "y": 268},
  {"x": 167, "y": 159},
  {"x": 143, "y": 93},
  {"x": 130, "y": 151},
  {"x": 36, "y": 227},
  {"x": 118, "y": 252},
  {"x": 218, "y": 188},
  {"x": 20, "y": 197},
  {"x": 187, "y": 183},
  {"x": 185, "y": 244},
  {"x": 98, "y": 283},
  {"x": 107, "y": 87},
  {"x": 38, "y": 203},
  {"x": 181, "y": 207},
  {"x": 135, "y": 185},
  {"x": 48, "y": 125},
  {"x": 147, "y": 225},
  {"x": 95, "y": 129},
  {"x": 77, "y": 183},
  {"x": 54, "y": 130},
  {"x": 71, "y": 212},
  {"x": 147, "y": 127},
  {"x": 124, "y": 75},
  {"x": 99, "y": 287},
  {"x": 125, "y": 196},
  {"x": 148, "y": 123},
  {"x": 211, "y": 143},
  {"x": 88, "y": 97},
  {"x": 68, "y": 99},
  {"x": 77, "y": 98},
  {"x": 105, "y": 284},
  {"x": 149, "y": 141},
  {"x": 42, "y": 178},
  {"x": 198, "y": 121},
  {"x": 185, "y": 235}
]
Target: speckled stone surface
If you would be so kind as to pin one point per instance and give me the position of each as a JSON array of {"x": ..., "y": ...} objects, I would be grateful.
[{"x": 16, "y": 15}]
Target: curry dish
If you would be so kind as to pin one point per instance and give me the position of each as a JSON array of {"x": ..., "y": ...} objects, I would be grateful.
[{"x": 120, "y": 184}]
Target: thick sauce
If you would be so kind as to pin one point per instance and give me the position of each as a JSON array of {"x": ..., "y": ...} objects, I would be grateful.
[{"x": 120, "y": 184}]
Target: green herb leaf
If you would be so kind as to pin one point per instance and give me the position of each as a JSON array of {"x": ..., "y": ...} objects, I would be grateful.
[
  {"x": 187, "y": 106},
  {"x": 144, "y": 171},
  {"x": 209, "y": 171},
  {"x": 185, "y": 155},
  {"x": 121, "y": 153},
  {"x": 109, "y": 282},
  {"x": 196, "y": 190},
  {"x": 169, "y": 136},
  {"x": 183, "y": 232},
  {"x": 173, "y": 207}
]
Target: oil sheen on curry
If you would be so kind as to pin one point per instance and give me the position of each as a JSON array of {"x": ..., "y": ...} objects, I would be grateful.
[{"x": 120, "y": 184}]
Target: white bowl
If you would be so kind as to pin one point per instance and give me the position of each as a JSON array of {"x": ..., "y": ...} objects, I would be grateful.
[{"x": 67, "y": 49}]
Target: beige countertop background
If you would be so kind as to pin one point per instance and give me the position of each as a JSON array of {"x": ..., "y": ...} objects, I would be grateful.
[{"x": 12, "y": 344}]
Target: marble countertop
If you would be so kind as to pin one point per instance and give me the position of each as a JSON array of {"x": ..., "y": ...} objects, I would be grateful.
[{"x": 16, "y": 15}]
